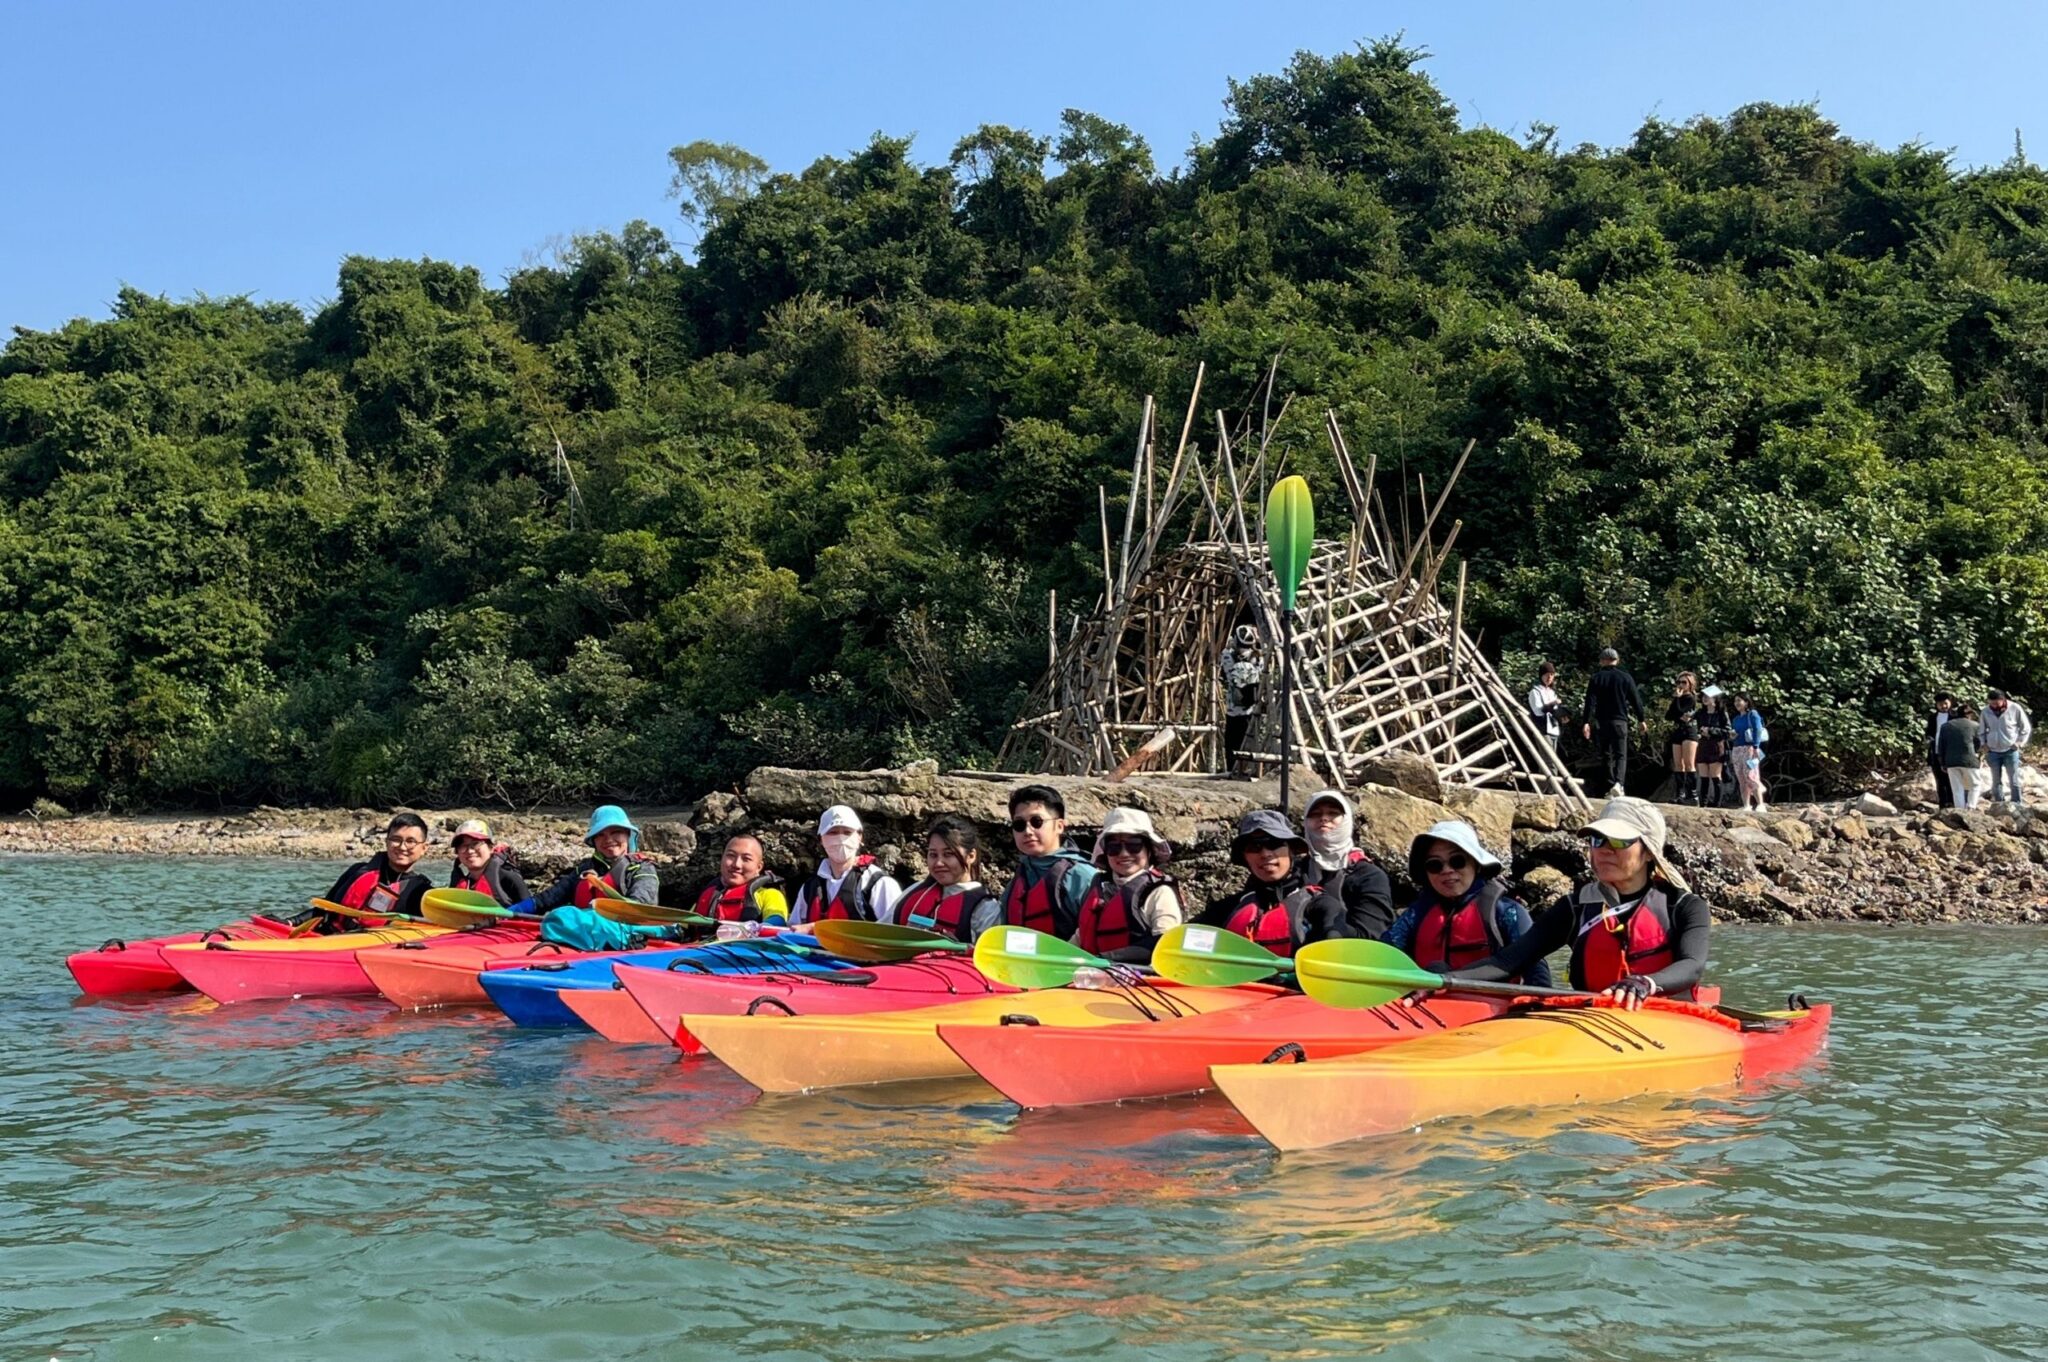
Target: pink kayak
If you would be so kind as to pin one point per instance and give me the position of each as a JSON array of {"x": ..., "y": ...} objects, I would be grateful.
[
  {"x": 301, "y": 967},
  {"x": 665, "y": 995},
  {"x": 138, "y": 966},
  {"x": 614, "y": 1014}
]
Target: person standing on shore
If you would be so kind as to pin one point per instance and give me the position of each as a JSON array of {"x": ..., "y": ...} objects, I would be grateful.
[
  {"x": 1612, "y": 700},
  {"x": 2007, "y": 731},
  {"x": 1682, "y": 713},
  {"x": 1715, "y": 739},
  {"x": 1944, "y": 708},
  {"x": 1544, "y": 706},
  {"x": 1748, "y": 757},
  {"x": 1961, "y": 744},
  {"x": 1243, "y": 665}
]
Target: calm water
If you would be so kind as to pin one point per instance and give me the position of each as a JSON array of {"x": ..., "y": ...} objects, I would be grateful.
[{"x": 339, "y": 1180}]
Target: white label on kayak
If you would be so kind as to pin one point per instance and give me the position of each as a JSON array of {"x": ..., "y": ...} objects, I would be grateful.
[
  {"x": 1023, "y": 942},
  {"x": 1199, "y": 940}
]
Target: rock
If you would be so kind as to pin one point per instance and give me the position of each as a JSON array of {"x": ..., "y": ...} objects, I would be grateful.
[
  {"x": 1388, "y": 820},
  {"x": 2000, "y": 849},
  {"x": 1405, "y": 772},
  {"x": 1870, "y": 806},
  {"x": 1792, "y": 833},
  {"x": 1851, "y": 828},
  {"x": 1489, "y": 811},
  {"x": 1969, "y": 820},
  {"x": 1750, "y": 836},
  {"x": 1542, "y": 886},
  {"x": 668, "y": 837},
  {"x": 1538, "y": 812},
  {"x": 718, "y": 810}
]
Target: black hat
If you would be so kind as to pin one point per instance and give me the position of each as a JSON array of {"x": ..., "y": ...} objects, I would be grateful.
[{"x": 1269, "y": 823}]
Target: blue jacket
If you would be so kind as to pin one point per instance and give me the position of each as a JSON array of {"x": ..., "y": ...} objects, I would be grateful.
[{"x": 1749, "y": 729}]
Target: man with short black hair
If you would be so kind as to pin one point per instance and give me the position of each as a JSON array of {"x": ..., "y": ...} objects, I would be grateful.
[
  {"x": 2007, "y": 730},
  {"x": 1052, "y": 876},
  {"x": 1944, "y": 706},
  {"x": 1611, "y": 701}
]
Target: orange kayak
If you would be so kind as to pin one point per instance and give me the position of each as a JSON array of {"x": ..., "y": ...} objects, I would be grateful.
[
  {"x": 615, "y": 1014},
  {"x": 443, "y": 971},
  {"x": 1547, "y": 1057}
]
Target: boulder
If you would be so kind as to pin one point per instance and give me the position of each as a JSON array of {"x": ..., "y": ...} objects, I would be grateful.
[
  {"x": 1870, "y": 806},
  {"x": 1969, "y": 820},
  {"x": 672, "y": 837},
  {"x": 2000, "y": 849},
  {"x": 1752, "y": 838},
  {"x": 1389, "y": 819},
  {"x": 1405, "y": 772},
  {"x": 1541, "y": 886},
  {"x": 1792, "y": 833},
  {"x": 1537, "y": 812},
  {"x": 1851, "y": 828},
  {"x": 1489, "y": 811}
]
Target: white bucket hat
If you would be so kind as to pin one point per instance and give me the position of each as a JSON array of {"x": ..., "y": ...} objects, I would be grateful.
[{"x": 1127, "y": 822}]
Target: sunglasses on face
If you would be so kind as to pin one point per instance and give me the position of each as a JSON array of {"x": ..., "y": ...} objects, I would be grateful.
[
  {"x": 1595, "y": 841},
  {"x": 1124, "y": 846},
  {"x": 1263, "y": 846},
  {"x": 1034, "y": 821},
  {"x": 1438, "y": 865}
]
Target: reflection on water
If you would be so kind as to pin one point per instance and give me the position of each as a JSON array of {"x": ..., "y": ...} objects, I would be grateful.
[{"x": 337, "y": 1179}]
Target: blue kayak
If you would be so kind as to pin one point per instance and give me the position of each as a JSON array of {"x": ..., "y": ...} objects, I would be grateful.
[{"x": 529, "y": 996}]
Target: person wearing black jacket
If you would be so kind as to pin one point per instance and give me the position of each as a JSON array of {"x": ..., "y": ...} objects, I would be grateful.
[
  {"x": 1612, "y": 700},
  {"x": 1282, "y": 906},
  {"x": 388, "y": 883},
  {"x": 1944, "y": 706},
  {"x": 1329, "y": 826}
]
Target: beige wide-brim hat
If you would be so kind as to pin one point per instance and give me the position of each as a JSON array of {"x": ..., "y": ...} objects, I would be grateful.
[
  {"x": 1630, "y": 817},
  {"x": 1130, "y": 822}
]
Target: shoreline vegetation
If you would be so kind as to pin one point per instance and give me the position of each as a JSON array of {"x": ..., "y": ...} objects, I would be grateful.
[
  {"x": 1848, "y": 861},
  {"x": 1748, "y": 396}
]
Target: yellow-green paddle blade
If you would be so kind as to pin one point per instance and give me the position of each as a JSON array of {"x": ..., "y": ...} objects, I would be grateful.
[
  {"x": 879, "y": 942},
  {"x": 460, "y": 908},
  {"x": 649, "y": 914},
  {"x": 1213, "y": 958},
  {"x": 1348, "y": 973},
  {"x": 1027, "y": 959},
  {"x": 1290, "y": 535}
]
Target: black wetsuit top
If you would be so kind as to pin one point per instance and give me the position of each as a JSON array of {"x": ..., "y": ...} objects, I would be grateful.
[{"x": 1556, "y": 928}]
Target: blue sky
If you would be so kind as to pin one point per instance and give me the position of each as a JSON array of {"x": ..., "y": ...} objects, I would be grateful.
[{"x": 224, "y": 148}]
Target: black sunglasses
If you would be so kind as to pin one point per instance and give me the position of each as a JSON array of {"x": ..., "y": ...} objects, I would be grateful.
[
  {"x": 1266, "y": 844},
  {"x": 1124, "y": 846},
  {"x": 1438, "y": 865},
  {"x": 1036, "y": 820}
]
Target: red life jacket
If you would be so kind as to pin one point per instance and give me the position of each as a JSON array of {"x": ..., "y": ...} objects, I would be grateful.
[
  {"x": 588, "y": 893},
  {"x": 1462, "y": 938},
  {"x": 1644, "y": 945},
  {"x": 1110, "y": 914},
  {"x": 1041, "y": 903},
  {"x": 1277, "y": 926},
  {"x": 372, "y": 892},
  {"x": 929, "y": 906},
  {"x": 485, "y": 881},
  {"x": 850, "y": 902},
  {"x": 735, "y": 903}
]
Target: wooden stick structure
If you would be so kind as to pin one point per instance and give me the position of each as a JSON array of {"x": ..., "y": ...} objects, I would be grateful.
[{"x": 1380, "y": 665}]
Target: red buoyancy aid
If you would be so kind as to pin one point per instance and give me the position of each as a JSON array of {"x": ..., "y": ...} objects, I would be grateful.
[
  {"x": 1040, "y": 903},
  {"x": 1110, "y": 913},
  {"x": 735, "y": 903},
  {"x": 588, "y": 893},
  {"x": 485, "y": 881},
  {"x": 374, "y": 894},
  {"x": 850, "y": 902},
  {"x": 1277, "y": 927},
  {"x": 1464, "y": 937},
  {"x": 1644, "y": 945},
  {"x": 931, "y": 907}
]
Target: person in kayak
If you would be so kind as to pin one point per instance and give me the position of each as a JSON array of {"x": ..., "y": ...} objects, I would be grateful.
[
  {"x": 1329, "y": 825},
  {"x": 950, "y": 899},
  {"x": 389, "y": 882},
  {"x": 480, "y": 865},
  {"x": 1052, "y": 875},
  {"x": 615, "y": 870},
  {"x": 1282, "y": 906},
  {"x": 846, "y": 884},
  {"x": 1133, "y": 902},
  {"x": 1461, "y": 915},
  {"x": 1636, "y": 930},
  {"x": 745, "y": 889}
]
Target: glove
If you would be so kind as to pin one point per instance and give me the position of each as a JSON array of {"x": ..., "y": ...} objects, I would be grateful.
[{"x": 1632, "y": 989}]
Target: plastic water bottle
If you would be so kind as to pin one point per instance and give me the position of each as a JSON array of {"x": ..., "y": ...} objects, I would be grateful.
[
  {"x": 1087, "y": 976},
  {"x": 731, "y": 931}
]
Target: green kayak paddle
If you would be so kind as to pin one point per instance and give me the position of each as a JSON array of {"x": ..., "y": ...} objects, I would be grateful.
[
  {"x": 1214, "y": 958},
  {"x": 880, "y": 942},
  {"x": 1029, "y": 959},
  {"x": 1350, "y": 973},
  {"x": 460, "y": 908},
  {"x": 649, "y": 914}
]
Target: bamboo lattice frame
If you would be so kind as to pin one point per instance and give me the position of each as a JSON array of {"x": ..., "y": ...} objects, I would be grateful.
[{"x": 1381, "y": 667}]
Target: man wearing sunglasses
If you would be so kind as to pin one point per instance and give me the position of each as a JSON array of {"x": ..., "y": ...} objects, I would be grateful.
[
  {"x": 1636, "y": 930},
  {"x": 1052, "y": 876},
  {"x": 1461, "y": 915},
  {"x": 389, "y": 882},
  {"x": 1282, "y": 906}
]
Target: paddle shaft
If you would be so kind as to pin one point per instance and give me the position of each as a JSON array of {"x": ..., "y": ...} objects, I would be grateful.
[{"x": 1286, "y": 706}]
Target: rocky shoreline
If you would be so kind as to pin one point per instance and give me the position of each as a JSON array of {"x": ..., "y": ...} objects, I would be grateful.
[{"x": 1860, "y": 860}]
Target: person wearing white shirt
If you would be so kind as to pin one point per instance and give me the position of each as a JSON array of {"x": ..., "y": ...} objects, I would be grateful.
[
  {"x": 846, "y": 884},
  {"x": 1544, "y": 705}
]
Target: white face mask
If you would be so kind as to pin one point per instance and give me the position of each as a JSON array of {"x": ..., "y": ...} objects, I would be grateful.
[{"x": 841, "y": 846}]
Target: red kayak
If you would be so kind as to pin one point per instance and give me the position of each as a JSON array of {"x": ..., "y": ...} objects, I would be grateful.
[
  {"x": 138, "y": 966},
  {"x": 666, "y": 995},
  {"x": 443, "y": 971},
  {"x": 301, "y": 967},
  {"x": 614, "y": 1014},
  {"x": 1062, "y": 1066}
]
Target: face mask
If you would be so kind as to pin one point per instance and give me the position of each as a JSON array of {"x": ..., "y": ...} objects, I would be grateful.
[
  {"x": 1334, "y": 849},
  {"x": 841, "y": 847}
]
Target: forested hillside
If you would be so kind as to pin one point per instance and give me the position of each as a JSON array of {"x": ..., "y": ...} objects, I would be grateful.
[{"x": 1750, "y": 396}]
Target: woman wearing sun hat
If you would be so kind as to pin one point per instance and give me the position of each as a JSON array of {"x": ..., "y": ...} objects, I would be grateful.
[
  {"x": 480, "y": 864},
  {"x": 1635, "y": 930},
  {"x": 1461, "y": 914},
  {"x": 615, "y": 870},
  {"x": 1133, "y": 902},
  {"x": 847, "y": 883}
]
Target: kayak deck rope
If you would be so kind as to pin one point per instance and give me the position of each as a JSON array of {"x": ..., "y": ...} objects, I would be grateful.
[{"x": 1601, "y": 1025}]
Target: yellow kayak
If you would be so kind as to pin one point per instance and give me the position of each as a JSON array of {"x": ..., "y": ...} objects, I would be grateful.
[
  {"x": 294, "y": 967},
  {"x": 1558, "y": 1056},
  {"x": 797, "y": 1054}
]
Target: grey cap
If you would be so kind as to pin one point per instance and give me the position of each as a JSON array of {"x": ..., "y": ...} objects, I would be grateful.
[
  {"x": 1266, "y": 823},
  {"x": 1609, "y": 655},
  {"x": 1630, "y": 817}
]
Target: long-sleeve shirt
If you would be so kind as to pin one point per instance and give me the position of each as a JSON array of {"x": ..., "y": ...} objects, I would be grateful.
[
  {"x": 1612, "y": 694},
  {"x": 1543, "y": 705},
  {"x": 1749, "y": 729},
  {"x": 2007, "y": 732},
  {"x": 1691, "y": 919},
  {"x": 636, "y": 879}
]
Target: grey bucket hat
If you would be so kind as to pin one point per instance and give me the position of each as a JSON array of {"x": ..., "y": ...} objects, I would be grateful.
[
  {"x": 1270, "y": 823},
  {"x": 1631, "y": 817}
]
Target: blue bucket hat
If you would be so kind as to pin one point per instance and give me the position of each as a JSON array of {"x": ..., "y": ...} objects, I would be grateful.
[{"x": 611, "y": 816}]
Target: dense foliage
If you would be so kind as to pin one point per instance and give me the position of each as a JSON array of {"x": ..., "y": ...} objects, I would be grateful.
[{"x": 1750, "y": 396}]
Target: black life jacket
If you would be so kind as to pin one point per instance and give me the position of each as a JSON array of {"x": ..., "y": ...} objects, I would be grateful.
[{"x": 929, "y": 906}]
